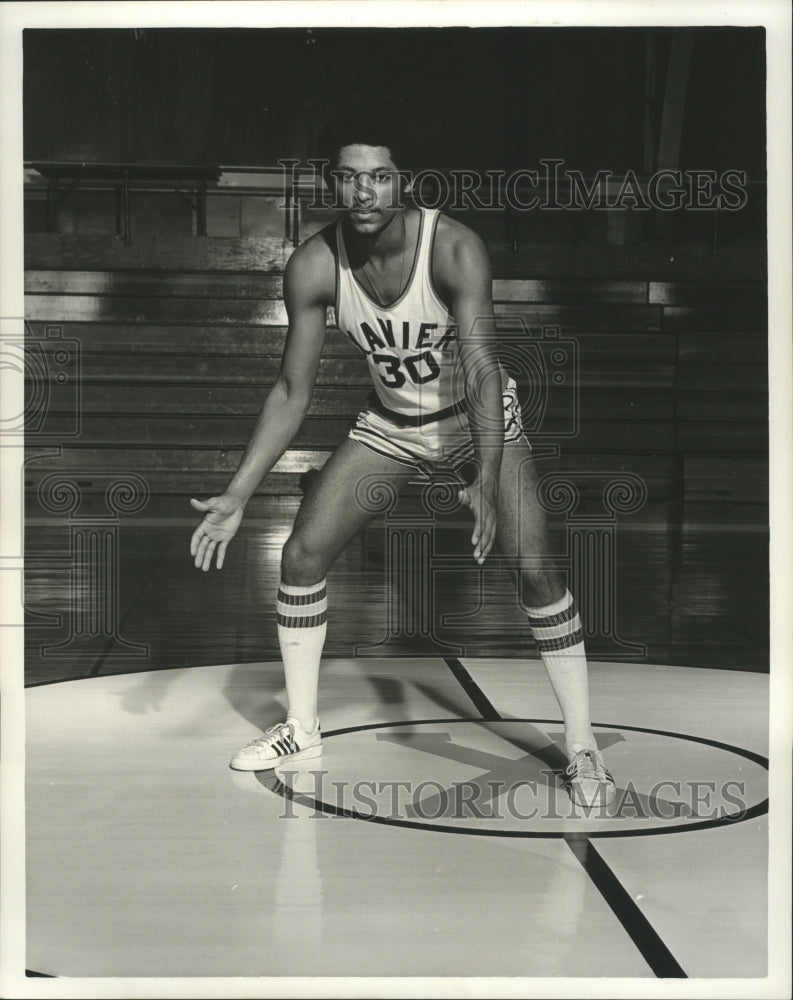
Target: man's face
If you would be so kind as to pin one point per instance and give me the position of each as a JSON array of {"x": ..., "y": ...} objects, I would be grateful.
[{"x": 367, "y": 187}]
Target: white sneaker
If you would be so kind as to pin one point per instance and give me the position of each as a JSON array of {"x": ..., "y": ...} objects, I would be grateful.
[
  {"x": 588, "y": 781},
  {"x": 279, "y": 744}
]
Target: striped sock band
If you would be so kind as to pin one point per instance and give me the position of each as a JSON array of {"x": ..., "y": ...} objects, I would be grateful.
[
  {"x": 557, "y": 627},
  {"x": 302, "y": 607}
]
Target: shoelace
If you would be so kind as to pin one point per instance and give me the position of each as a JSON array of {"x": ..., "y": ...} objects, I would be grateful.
[
  {"x": 586, "y": 764},
  {"x": 282, "y": 730}
]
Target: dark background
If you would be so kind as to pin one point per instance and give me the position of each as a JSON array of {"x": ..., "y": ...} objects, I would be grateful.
[{"x": 496, "y": 98}]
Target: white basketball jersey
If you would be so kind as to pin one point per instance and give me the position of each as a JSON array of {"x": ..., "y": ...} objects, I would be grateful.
[{"x": 411, "y": 346}]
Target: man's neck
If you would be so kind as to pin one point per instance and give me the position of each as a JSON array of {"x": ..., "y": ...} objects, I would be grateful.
[{"x": 383, "y": 245}]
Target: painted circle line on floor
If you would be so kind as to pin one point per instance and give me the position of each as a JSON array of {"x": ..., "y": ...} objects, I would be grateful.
[{"x": 503, "y": 779}]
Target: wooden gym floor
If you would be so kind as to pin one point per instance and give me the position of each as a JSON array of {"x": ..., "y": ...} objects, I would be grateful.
[
  {"x": 392, "y": 855},
  {"x": 693, "y": 596}
]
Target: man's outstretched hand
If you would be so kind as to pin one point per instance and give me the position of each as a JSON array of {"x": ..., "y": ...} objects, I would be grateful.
[
  {"x": 481, "y": 499},
  {"x": 223, "y": 517}
]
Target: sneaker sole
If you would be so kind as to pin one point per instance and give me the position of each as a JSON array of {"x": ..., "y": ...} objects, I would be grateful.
[{"x": 269, "y": 765}]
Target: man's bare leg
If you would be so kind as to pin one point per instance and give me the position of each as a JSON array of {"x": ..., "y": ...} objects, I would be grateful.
[
  {"x": 521, "y": 532},
  {"x": 332, "y": 513}
]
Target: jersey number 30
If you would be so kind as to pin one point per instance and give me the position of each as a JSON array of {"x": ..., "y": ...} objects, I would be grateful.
[{"x": 391, "y": 373}]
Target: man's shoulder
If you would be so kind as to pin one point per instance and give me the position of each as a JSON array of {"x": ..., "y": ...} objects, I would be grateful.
[
  {"x": 458, "y": 248},
  {"x": 312, "y": 265},
  {"x": 451, "y": 230},
  {"x": 318, "y": 250}
]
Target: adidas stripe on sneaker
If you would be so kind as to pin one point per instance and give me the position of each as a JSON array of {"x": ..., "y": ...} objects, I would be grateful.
[{"x": 280, "y": 744}]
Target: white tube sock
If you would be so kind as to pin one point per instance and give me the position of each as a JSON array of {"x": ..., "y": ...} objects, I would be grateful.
[
  {"x": 559, "y": 636},
  {"x": 302, "y": 624}
]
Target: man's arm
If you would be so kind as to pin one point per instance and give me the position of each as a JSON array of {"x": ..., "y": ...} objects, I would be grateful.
[
  {"x": 287, "y": 402},
  {"x": 470, "y": 284},
  {"x": 282, "y": 411}
]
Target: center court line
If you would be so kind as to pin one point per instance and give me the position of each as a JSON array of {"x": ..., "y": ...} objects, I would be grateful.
[
  {"x": 472, "y": 689},
  {"x": 638, "y": 928},
  {"x": 653, "y": 950}
]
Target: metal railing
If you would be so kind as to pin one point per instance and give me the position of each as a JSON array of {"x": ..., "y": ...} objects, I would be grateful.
[{"x": 302, "y": 190}]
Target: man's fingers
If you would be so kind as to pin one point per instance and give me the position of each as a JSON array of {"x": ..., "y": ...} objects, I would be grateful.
[
  {"x": 195, "y": 540},
  {"x": 202, "y": 547},
  {"x": 484, "y": 534},
  {"x": 476, "y": 537},
  {"x": 212, "y": 534},
  {"x": 198, "y": 534},
  {"x": 477, "y": 524},
  {"x": 204, "y": 550},
  {"x": 208, "y": 553},
  {"x": 488, "y": 540},
  {"x": 487, "y": 537}
]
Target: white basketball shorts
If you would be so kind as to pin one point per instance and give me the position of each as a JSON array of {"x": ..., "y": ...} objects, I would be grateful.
[{"x": 444, "y": 442}]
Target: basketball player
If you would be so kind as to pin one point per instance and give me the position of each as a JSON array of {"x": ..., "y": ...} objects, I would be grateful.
[{"x": 412, "y": 288}]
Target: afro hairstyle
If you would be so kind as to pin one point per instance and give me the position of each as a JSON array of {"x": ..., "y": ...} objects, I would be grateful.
[{"x": 373, "y": 120}]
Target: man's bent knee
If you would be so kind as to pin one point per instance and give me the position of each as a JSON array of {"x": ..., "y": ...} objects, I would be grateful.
[
  {"x": 299, "y": 566},
  {"x": 539, "y": 588}
]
